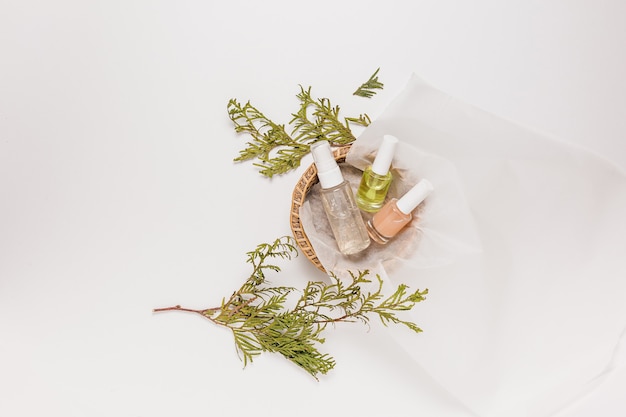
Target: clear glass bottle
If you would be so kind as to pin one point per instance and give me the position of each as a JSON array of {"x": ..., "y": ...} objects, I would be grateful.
[
  {"x": 397, "y": 213},
  {"x": 339, "y": 203},
  {"x": 377, "y": 178}
]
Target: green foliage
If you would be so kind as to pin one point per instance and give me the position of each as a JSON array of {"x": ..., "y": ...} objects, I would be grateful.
[
  {"x": 278, "y": 149},
  {"x": 261, "y": 321},
  {"x": 367, "y": 88}
]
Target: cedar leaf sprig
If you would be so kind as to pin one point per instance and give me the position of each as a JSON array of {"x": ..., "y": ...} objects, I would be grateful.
[
  {"x": 367, "y": 88},
  {"x": 261, "y": 321},
  {"x": 277, "y": 149}
]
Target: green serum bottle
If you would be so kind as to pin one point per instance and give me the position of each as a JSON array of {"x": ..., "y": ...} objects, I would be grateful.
[{"x": 377, "y": 178}]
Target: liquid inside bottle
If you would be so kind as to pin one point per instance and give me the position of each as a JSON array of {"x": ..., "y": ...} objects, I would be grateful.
[
  {"x": 372, "y": 190},
  {"x": 387, "y": 222},
  {"x": 345, "y": 219}
]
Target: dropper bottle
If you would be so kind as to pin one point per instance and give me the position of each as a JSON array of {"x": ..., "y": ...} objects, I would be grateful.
[
  {"x": 377, "y": 178},
  {"x": 339, "y": 203},
  {"x": 397, "y": 213}
]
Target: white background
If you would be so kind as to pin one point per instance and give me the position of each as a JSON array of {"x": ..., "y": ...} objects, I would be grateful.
[{"x": 118, "y": 193}]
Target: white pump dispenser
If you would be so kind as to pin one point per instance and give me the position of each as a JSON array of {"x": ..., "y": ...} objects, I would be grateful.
[{"x": 328, "y": 171}]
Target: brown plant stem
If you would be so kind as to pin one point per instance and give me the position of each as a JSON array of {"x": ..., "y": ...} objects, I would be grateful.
[{"x": 179, "y": 308}]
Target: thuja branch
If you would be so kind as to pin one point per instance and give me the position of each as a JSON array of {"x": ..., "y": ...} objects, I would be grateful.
[
  {"x": 260, "y": 320},
  {"x": 367, "y": 88},
  {"x": 278, "y": 149}
]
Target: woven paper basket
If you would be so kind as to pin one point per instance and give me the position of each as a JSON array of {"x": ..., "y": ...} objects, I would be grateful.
[{"x": 306, "y": 181}]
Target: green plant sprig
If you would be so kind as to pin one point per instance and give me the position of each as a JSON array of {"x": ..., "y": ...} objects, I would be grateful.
[
  {"x": 278, "y": 150},
  {"x": 367, "y": 88},
  {"x": 260, "y": 320}
]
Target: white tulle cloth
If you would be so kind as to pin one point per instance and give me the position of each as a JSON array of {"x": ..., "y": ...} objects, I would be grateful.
[{"x": 522, "y": 245}]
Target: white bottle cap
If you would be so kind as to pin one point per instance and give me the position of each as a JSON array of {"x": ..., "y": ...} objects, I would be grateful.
[
  {"x": 383, "y": 159},
  {"x": 414, "y": 196},
  {"x": 327, "y": 169}
]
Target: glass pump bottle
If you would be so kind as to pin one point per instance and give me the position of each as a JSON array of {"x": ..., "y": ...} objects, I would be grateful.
[
  {"x": 339, "y": 203},
  {"x": 376, "y": 178},
  {"x": 397, "y": 213}
]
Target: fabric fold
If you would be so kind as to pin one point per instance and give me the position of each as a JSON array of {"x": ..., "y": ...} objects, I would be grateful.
[{"x": 525, "y": 308}]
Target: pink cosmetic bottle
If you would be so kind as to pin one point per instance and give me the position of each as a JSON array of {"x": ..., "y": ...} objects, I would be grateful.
[{"x": 397, "y": 213}]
